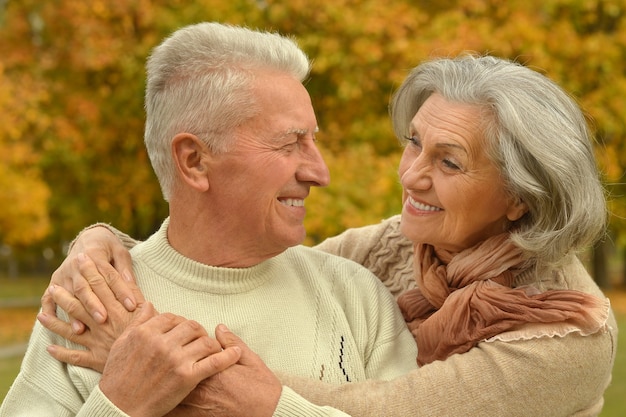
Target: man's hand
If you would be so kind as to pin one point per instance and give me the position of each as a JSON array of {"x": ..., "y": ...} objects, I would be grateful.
[
  {"x": 159, "y": 360},
  {"x": 246, "y": 389},
  {"x": 113, "y": 268}
]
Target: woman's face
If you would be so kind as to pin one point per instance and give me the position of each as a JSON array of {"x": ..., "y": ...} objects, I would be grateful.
[{"x": 453, "y": 194}]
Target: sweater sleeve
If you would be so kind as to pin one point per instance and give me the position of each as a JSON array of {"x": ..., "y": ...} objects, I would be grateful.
[
  {"x": 98, "y": 405},
  {"x": 291, "y": 404},
  {"x": 126, "y": 240},
  {"x": 46, "y": 387},
  {"x": 547, "y": 376}
]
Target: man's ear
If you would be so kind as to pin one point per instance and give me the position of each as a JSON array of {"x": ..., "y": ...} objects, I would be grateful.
[{"x": 189, "y": 154}]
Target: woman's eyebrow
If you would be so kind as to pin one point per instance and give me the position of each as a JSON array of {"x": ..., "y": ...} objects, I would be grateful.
[{"x": 450, "y": 145}]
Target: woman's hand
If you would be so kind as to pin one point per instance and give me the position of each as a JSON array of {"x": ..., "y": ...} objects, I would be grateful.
[
  {"x": 246, "y": 389},
  {"x": 113, "y": 268},
  {"x": 98, "y": 336}
]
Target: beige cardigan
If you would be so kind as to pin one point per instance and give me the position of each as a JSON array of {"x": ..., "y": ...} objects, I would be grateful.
[{"x": 546, "y": 376}]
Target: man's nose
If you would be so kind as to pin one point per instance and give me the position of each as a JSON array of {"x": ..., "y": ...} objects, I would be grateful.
[{"x": 315, "y": 169}]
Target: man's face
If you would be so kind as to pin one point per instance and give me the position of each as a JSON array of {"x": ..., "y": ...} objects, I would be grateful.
[{"x": 261, "y": 183}]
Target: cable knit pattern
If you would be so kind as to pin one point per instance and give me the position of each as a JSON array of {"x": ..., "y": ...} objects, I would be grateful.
[
  {"x": 382, "y": 249},
  {"x": 507, "y": 376}
]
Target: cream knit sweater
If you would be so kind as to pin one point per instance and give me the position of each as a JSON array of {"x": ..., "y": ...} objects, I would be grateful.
[{"x": 304, "y": 312}]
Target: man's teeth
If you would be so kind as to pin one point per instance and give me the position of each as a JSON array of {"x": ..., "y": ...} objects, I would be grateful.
[
  {"x": 295, "y": 202},
  {"x": 423, "y": 207}
]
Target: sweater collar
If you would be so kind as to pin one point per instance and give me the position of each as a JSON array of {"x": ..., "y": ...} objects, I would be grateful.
[{"x": 163, "y": 259}]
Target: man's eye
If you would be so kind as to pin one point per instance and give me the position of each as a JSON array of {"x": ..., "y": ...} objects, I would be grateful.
[{"x": 290, "y": 146}]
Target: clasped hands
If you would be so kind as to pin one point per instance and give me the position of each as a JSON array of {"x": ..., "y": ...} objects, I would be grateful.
[{"x": 152, "y": 364}]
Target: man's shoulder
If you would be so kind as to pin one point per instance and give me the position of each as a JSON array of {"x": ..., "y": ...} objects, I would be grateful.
[
  {"x": 321, "y": 258},
  {"x": 338, "y": 271}
]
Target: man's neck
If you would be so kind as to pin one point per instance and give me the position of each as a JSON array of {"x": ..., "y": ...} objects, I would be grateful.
[{"x": 199, "y": 241}]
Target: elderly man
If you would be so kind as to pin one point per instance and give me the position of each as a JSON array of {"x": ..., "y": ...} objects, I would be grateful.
[{"x": 230, "y": 132}]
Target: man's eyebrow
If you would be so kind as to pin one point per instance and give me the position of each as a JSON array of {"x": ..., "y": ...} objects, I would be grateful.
[{"x": 296, "y": 131}]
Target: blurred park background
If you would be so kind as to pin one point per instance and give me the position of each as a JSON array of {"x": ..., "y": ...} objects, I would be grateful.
[{"x": 71, "y": 111}]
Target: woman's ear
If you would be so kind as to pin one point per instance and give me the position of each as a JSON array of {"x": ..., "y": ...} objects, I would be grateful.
[
  {"x": 189, "y": 154},
  {"x": 516, "y": 210}
]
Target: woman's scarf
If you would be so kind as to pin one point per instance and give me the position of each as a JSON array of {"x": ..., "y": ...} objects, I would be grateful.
[{"x": 464, "y": 298}]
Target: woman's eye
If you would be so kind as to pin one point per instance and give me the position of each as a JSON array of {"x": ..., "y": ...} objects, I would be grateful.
[
  {"x": 413, "y": 140},
  {"x": 451, "y": 165}
]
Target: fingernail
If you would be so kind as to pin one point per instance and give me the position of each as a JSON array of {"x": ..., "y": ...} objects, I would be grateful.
[
  {"x": 98, "y": 317},
  {"x": 223, "y": 328},
  {"x": 76, "y": 327},
  {"x": 127, "y": 276},
  {"x": 129, "y": 304}
]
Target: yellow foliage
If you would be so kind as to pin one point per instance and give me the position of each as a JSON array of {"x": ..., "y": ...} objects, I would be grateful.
[
  {"x": 24, "y": 215},
  {"x": 24, "y": 195},
  {"x": 364, "y": 189},
  {"x": 72, "y": 74}
]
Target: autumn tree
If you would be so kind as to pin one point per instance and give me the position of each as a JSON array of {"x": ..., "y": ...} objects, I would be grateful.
[
  {"x": 24, "y": 194},
  {"x": 72, "y": 78}
]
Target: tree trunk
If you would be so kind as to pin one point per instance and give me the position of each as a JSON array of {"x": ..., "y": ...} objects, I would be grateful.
[{"x": 599, "y": 265}]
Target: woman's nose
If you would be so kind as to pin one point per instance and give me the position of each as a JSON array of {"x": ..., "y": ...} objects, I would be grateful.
[{"x": 417, "y": 175}]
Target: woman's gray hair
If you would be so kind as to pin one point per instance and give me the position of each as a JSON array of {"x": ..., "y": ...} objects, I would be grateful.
[
  {"x": 199, "y": 82},
  {"x": 537, "y": 136}
]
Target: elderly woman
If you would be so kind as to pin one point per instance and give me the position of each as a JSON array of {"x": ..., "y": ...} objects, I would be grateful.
[{"x": 500, "y": 193}]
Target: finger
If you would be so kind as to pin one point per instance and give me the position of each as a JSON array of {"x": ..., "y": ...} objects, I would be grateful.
[
  {"x": 228, "y": 338},
  {"x": 123, "y": 264},
  {"x": 71, "y": 305},
  {"x": 81, "y": 358},
  {"x": 55, "y": 325},
  {"x": 101, "y": 283},
  {"x": 185, "y": 331},
  {"x": 108, "y": 283},
  {"x": 218, "y": 362},
  {"x": 130, "y": 279},
  {"x": 48, "y": 306},
  {"x": 201, "y": 347},
  {"x": 145, "y": 313},
  {"x": 83, "y": 290}
]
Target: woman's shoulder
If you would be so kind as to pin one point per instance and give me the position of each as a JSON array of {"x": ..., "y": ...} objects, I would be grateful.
[
  {"x": 381, "y": 248},
  {"x": 357, "y": 240},
  {"x": 570, "y": 275}
]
